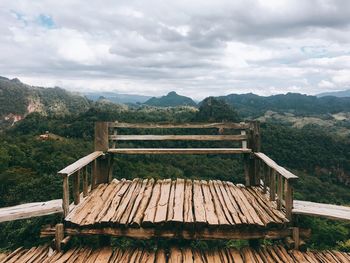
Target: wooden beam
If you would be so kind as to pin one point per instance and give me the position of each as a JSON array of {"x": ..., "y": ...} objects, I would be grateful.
[
  {"x": 296, "y": 237},
  {"x": 329, "y": 211},
  {"x": 59, "y": 236},
  {"x": 203, "y": 234},
  {"x": 279, "y": 191},
  {"x": 178, "y": 150},
  {"x": 272, "y": 187},
  {"x": 226, "y": 125},
  {"x": 85, "y": 181},
  {"x": 288, "y": 195},
  {"x": 76, "y": 187},
  {"x": 30, "y": 210},
  {"x": 79, "y": 164},
  {"x": 178, "y": 137},
  {"x": 65, "y": 200},
  {"x": 101, "y": 136}
]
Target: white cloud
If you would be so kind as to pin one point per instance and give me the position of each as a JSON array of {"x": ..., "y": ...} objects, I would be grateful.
[{"x": 198, "y": 48}]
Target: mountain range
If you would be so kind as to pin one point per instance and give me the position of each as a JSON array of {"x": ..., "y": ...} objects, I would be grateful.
[
  {"x": 116, "y": 97},
  {"x": 18, "y": 100},
  {"x": 340, "y": 94}
]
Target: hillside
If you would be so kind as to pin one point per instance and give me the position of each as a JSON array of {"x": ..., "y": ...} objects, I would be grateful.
[
  {"x": 340, "y": 94},
  {"x": 172, "y": 99},
  {"x": 253, "y": 105},
  {"x": 17, "y": 100}
]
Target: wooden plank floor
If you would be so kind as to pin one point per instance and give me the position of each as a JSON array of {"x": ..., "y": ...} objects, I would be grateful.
[
  {"x": 321, "y": 210},
  {"x": 147, "y": 203},
  {"x": 43, "y": 254}
]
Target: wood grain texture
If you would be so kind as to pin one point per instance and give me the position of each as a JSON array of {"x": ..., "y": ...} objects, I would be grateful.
[
  {"x": 225, "y": 125},
  {"x": 79, "y": 164},
  {"x": 179, "y": 150},
  {"x": 277, "y": 254},
  {"x": 178, "y": 138},
  {"x": 148, "y": 203}
]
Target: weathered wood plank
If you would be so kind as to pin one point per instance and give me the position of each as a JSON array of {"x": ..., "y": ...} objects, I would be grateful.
[
  {"x": 162, "y": 206},
  {"x": 74, "y": 167},
  {"x": 178, "y": 150},
  {"x": 198, "y": 201},
  {"x": 178, "y": 138},
  {"x": 226, "y": 125},
  {"x": 179, "y": 201},
  {"x": 321, "y": 210},
  {"x": 188, "y": 234},
  {"x": 30, "y": 210},
  {"x": 281, "y": 170}
]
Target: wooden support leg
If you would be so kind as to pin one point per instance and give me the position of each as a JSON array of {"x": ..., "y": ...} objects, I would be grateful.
[
  {"x": 296, "y": 237},
  {"x": 59, "y": 235}
]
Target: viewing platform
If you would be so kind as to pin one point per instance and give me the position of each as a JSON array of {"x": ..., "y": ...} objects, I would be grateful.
[{"x": 97, "y": 202}]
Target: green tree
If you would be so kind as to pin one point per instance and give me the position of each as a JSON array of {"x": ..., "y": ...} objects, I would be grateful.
[{"x": 213, "y": 109}]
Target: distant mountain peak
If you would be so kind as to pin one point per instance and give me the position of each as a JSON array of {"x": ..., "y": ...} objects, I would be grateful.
[
  {"x": 172, "y": 99},
  {"x": 340, "y": 94}
]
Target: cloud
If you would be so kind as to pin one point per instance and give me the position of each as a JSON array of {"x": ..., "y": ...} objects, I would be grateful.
[{"x": 198, "y": 48}]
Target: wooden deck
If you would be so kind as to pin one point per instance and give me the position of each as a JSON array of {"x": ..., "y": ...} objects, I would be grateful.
[
  {"x": 148, "y": 203},
  {"x": 43, "y": 254}
]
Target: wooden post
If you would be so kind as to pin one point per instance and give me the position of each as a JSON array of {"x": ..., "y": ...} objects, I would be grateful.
[
  {"x": 76, "y": 187},
  {"x": 101, "y": 144},
  {"x": 93, "y": 174},
  {"x": 272, "y": 185},
  {"x": 244, "y": 143},
  {"x": 246, "y": 163},
  {"x": 254, "y": 144},
  {"x": 59, "y": 235},
  {"x": 266, "y": 177},
  {"x": 101, "y": 136},
  {"x": 110, "y": 167},
  {"x": 65, "y": 199},
  {"x": 279, "y": 191},
  {"x": 288, "y": 193},
  {"x": 296, "y": 237},
  {"x": 102, "y": 170},
  {"x": 85, "y": 182}
]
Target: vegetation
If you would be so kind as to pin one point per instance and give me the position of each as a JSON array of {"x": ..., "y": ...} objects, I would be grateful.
[
  {"x": 28, "y": 165},
  {"x": 172, "y": 99}
]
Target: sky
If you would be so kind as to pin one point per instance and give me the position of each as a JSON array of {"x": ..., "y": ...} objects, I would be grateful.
[{"x": 197, "y": 48}]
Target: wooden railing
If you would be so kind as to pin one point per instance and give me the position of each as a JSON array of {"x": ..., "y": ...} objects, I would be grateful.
[
  {"x": 277, "y": 180},
  {"x": 257, "y": 166},
  {"x": 81, "y": 168}
]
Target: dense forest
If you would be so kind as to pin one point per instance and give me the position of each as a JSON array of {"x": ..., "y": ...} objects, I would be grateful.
[{"x": 28, "y": 165}]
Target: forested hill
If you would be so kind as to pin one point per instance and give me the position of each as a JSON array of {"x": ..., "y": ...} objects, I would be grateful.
[
  {"x": 172, "y": 99},
  {"x": 253, "y": 105},
  {"x": 18, "y": 99}
]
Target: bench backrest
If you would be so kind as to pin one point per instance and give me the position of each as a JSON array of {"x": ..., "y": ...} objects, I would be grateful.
[{"x": 107, "y": 136}]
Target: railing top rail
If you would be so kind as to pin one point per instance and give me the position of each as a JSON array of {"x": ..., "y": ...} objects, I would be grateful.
[
  {"x": 227, "y": 125},
  {"x": 178, "y": 137},
  {"x": 74, "y": 167},
  {"x": 271, "y": 163}
]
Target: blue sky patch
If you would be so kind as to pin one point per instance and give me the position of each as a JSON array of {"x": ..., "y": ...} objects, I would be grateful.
[{"x": 46, "y": 21}]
